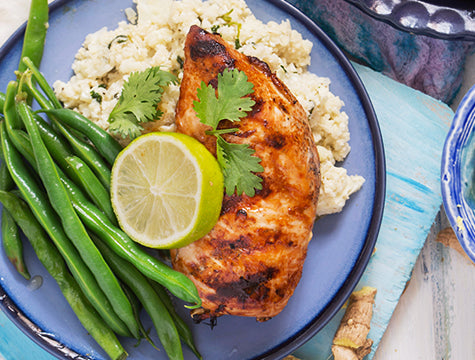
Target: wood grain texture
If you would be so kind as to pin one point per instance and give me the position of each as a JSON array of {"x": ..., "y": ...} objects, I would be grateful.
[{"x": 434, "y": 318}]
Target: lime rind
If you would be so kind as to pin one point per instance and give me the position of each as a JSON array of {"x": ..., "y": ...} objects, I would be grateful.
[{"x": 166, "y": 190}]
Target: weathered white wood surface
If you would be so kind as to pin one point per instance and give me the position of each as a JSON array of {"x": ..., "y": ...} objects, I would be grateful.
[{"x": 435, "y": 317}]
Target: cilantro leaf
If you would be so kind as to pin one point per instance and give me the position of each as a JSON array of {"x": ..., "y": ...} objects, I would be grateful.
[
  {"x": 231, "y": 103},
  {"x": 236, "y": 160},
  {"x": 238, "y": 166},
  {"x": 126, "y": 125},
  {"x": 138, "y": 101},
  {"x": 205, "y": 108}
]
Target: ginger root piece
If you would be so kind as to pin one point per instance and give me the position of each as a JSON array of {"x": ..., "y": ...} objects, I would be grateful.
[{"x": 350, "y": 342}]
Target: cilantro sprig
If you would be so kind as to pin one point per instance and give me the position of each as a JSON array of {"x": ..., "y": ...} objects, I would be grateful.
[
  {"x": 236, "y": 160},
  {"x": 137, "y": 104}
]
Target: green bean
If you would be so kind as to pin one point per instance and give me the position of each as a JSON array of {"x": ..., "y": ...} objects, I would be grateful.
[
  {"x": 55, "y": 265},
  {"x": 35, "y": 33},
  {"x": 60, "y": 150},
  {"x": 6, "y": 181},
  {"x": 9, "y": 111},
  {"x": 57, "y": 146},
  {"x": 182, "y": 328},
  {"x": 47, "y": 131},
  {"x": 26, "y": 82},
  {"x": 42, "y": 82},
  {"x": 2, "y": 101},
  {"x": 81, "y": 148},
  {"x": 93, "y": 187},
  {"x": 95, "y": 220},
  {"x": 105, "y": 143},
  {"x": 49, "y": 219},
  {"x": 46, "y": 216},
  {"x": 33, "y": 46},
  {"x": 137, "y": 306},
  {"x": 82, "y": 176},
  {"x": 87, "y": 154},
  {"x": 163, "y": 322},
  {"x": 11, "y": 240},
  {"x": 72, "y": 225},
  {"x": 12, "y": 244},
  {"x": 74, "y": 133}
]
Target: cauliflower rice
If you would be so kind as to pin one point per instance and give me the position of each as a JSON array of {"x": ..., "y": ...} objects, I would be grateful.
[{"x": 155, "y": 36}]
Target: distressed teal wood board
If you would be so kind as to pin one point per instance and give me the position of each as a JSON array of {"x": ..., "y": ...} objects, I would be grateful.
[
  {"x": 15, "y": 345},
  {"x": 413, "y": 126}
]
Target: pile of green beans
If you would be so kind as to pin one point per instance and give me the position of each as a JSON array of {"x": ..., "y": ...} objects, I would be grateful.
[
  {"x": 54, "y": 186},
  {"x": 51, "y": 156},
  {"x": 53, "y": 262}
]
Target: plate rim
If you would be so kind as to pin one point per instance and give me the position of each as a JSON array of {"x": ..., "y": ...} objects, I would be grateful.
[{"x": 342, "y": 294}]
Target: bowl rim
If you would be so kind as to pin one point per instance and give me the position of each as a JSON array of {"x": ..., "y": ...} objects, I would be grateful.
[
  {"x": 459, "y": 212},
  {"x": 387, "y": 12}
]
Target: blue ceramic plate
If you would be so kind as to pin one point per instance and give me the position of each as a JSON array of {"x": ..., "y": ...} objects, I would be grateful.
[
  {"x": 458, "y": 174},
  {"x": 337, "y": 255}
]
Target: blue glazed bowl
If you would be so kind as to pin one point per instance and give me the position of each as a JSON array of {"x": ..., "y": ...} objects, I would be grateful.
[{"x": 458, "y": 174}]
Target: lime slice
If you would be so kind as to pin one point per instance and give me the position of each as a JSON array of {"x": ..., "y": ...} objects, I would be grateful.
[{"x": 166, "y": 190}]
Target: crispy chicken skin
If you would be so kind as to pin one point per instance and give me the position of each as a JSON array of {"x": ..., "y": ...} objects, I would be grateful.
[{"x": 251, "y": 262}]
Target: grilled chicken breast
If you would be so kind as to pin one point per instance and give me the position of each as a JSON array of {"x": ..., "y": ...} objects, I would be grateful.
[{"x": 251, "y": 262}]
